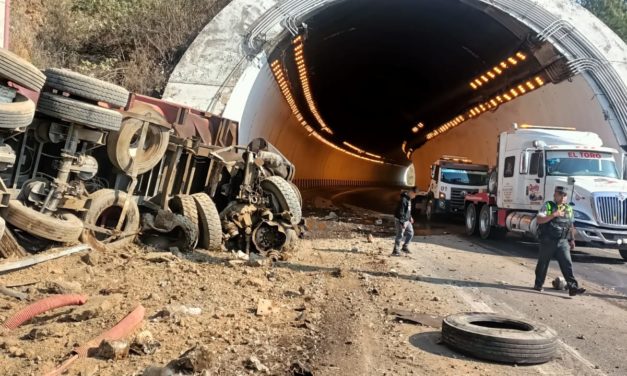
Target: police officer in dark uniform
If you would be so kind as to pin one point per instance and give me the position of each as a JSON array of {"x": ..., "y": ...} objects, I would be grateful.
[
  {"x": 557, "y": 238},
  {"x": 403, "y": 222}
]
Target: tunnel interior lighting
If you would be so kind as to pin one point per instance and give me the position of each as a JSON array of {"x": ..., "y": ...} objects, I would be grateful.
[
  {"x": 280, "y": 78},
  {"x": 303, "y": 74},
  {"x": 491, "y": 104},
  {"x": 498, "y": 70}
]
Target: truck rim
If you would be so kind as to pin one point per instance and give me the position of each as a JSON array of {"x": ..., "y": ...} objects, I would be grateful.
[{"x": 471, "y": 219}]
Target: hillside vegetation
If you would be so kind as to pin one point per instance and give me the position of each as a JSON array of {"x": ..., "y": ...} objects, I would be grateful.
[{"x": 135, "y": 43}]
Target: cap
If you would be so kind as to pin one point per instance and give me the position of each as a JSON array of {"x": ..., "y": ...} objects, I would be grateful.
[{"x": 561, "y": 190}]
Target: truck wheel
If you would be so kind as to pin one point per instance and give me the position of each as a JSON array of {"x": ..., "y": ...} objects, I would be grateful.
[
  {"x": 623, "y": 253},
  {"x": 73, "y": 111},
  {"x": 471, "y": 220},
  {"x": 186, "y": 206},
  {"x": 121, "y": 145},
  {"x": 86, "y": 87},
  {"x": 283, "y": 197},
  {"x": 298, "y": 194},
  {"x": 485, "y": 222},
  {"x": 17, "y": 114},
  {"x": 65, "y": 228},
  {"x": 104, "y": 211},
  {"x": 20, "y": 71},
  {"x": 430, "y": 210},
  {"x": 210, "y": 228},
  {"x": 500, "y": 338}
]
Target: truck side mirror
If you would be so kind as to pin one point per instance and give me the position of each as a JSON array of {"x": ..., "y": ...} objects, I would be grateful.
[{"x": 524, "y": 163}]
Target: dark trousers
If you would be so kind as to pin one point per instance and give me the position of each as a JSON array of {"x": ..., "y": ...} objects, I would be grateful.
[{"x": 560, "y": 249}]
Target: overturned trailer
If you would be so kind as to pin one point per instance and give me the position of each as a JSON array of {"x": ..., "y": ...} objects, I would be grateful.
[{"x": 103, "y": 166}]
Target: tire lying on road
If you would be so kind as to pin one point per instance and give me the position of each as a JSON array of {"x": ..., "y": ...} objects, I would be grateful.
[
  {"x": 283, "y": 196},
  {"x": 73, "y": 111},
  {"x": 64, "y": 228},
  {"x": 499, "y": 338},
  {"x": 104, "y": 212},
  {"x": 185, "y": 205},
  {"x": 19, "y": 71},
  {"x": 121, "y": 147},
  {"x": 86, "y": 87}
]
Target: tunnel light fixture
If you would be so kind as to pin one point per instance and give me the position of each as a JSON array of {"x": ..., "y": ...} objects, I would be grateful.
[
  {"x": 492, "y": 74},
  {"x": 279, "y": 75},
  {"x": 354, "y": 147},
  {"x": 490, "y": 105},
  {"x": 303, "y": 75}
]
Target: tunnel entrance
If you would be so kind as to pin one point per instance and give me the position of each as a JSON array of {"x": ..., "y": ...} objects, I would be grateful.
[{"x": 355, "y": 91}]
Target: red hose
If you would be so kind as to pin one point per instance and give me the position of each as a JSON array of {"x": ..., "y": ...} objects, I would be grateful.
[
  {"x": 42, "y": 306},
  {"x": 122, "y": 329}
]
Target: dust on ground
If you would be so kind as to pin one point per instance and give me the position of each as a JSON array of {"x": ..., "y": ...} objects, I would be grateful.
[{"x": 328, "y": 309}]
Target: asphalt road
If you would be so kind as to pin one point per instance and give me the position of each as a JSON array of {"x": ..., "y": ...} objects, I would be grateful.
[{"x": 602, "y": 267}]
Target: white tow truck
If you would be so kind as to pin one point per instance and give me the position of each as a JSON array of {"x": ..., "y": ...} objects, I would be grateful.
[
  {"x": 452, "y": 178},
  {"x": 531, "y": 162}
]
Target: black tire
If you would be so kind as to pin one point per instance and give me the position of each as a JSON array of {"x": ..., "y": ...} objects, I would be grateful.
[
  {"x": 499, "y": 338},
  {"x": 64, "y": 228},
  {"x": 485, "y": 222},
  {"x": 623, "y": 253},
  {"x": 186, "y": 206},
  {"x": 430, "y": 210},
  {"x": 104, "y": 211},
  {"x": 19, "y": 71},
  {"x": 299, "y": 196},
  {"x": 86, "y": 87},
  {"x": 210, "y": 228},
  {"x": 18, "y": 114},
  {"x": 73, "y": 111},
  {"x": 471, "y": 220},
  {"x": 283, "y": 197},
  {"x": 120, "y": 143}
]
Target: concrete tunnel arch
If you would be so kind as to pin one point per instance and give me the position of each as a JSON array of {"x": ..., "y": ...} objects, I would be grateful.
[{"x": 227, "y": 70}]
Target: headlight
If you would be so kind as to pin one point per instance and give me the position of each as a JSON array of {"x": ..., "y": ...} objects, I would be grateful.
[
  {"x": 442, "y": 196},
  {"x": 581, "y": 215}
]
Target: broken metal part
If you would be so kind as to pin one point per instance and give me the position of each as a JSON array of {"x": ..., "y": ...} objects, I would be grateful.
[
  {"x": 7, "y": 157},
  {"x": 269, "y": 235}
]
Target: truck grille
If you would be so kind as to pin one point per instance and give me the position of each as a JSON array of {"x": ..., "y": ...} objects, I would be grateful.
[
  {"x": 611, "y": 210},
  {"x": 457, "y": 199}
]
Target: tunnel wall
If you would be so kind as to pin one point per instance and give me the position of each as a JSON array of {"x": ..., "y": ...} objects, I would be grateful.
[
  {"x": 211, "y": 77},
  {"x": 266, "y": 114},
  {"x": 568, "y": 104}
]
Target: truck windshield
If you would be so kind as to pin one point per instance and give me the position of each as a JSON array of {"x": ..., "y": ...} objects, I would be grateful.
[
  {"x": 581, "y": 163},
  {"x": 464, "y": 177}
]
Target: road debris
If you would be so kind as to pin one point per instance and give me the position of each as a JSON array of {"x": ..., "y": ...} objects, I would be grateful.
[
  {"x": 144, "y": 344},
  {"x": 253, "y": 363},
  {"x": 112, "y": 350},
  {"x": 37, "y": 259},
  {"x": 195, "y": 360},
  {"x": 13, "y": 293},
  {"x": 265, "y": 307}
]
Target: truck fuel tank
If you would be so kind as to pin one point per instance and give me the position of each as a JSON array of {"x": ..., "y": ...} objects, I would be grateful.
[{"x": 522, "y": 222}]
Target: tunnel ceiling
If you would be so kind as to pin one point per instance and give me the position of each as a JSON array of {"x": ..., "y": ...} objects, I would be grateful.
[{"x": 378, "y": 68}]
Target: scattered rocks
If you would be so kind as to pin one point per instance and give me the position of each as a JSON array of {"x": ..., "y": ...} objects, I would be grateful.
[
  {"x": 253, "y": 363},
  {"x": 159, "y": 257},
  {"x": 95, "y": 307},
  {"x": 241, "y": 256},
  {"x": 355, "y": 250},
  {"x": 581, "y": 336},
  {"x": 195, "y": 360},
  {"x": 378, "y": 222},
  {"x": 144, "y": 344},
  {"x": 338, "y": 273},
  {"x": 112, "y": 350},
  {"x": 266, "y": 307},
  {"x": 257, "y": 261},
  {"x": 90, "y": 258},
  {"x": 299, "y": 369},
  {"x": 235, "y": 263},
  {"x": 63, "y": 287},
  {"x": 177, "y": 310},
  {"x": 436, "y": 299},
  {"x": 158, "y": 371},
  {"x": 370, "y": 238},
  {"x": 331, "y": 217}
]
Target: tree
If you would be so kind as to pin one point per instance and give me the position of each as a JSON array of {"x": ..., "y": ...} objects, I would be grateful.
[{"x": 612, "y": 12}]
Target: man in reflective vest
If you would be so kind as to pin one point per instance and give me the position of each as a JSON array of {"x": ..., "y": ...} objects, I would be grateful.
[{"x": 557, "y": 238}]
